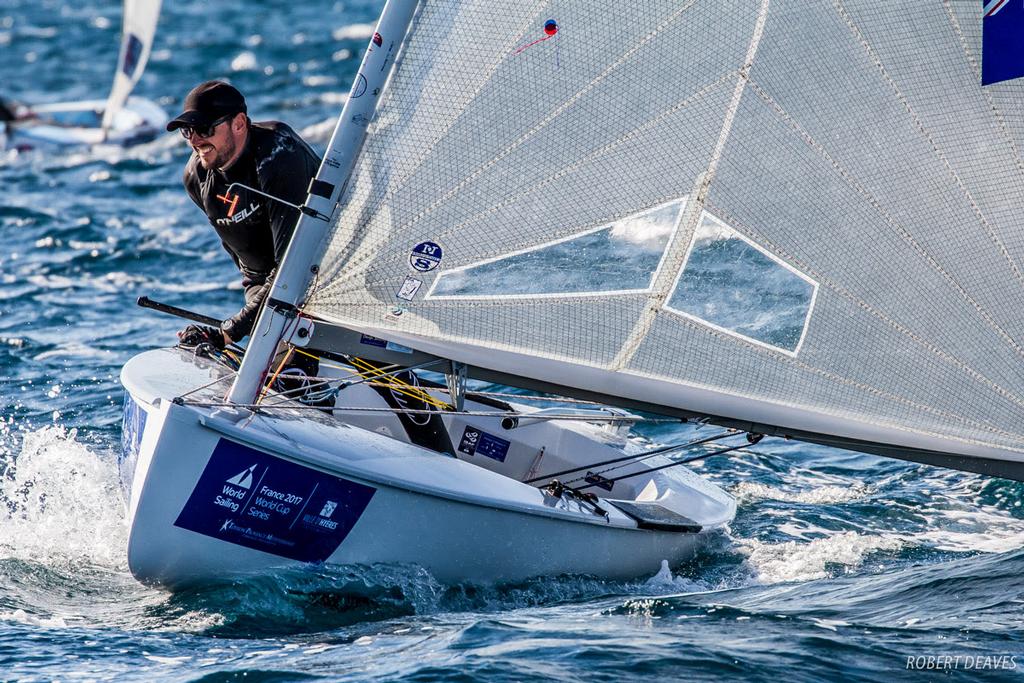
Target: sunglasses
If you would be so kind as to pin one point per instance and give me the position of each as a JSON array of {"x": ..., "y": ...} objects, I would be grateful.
[{"x": 203, "y": 131}]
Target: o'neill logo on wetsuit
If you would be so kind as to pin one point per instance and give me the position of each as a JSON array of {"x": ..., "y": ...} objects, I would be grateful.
[{"x": 239, "y": 216}]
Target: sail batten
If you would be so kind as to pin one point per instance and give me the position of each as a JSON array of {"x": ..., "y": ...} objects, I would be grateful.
[{"x": 851, "y": 245}]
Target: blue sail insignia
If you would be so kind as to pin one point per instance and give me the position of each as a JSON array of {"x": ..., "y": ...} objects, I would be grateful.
[{"x": 1002, "y": 42}]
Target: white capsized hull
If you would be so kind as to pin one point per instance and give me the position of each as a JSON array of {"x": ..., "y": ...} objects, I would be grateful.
[
  {"x": 76, "y": 125},
  {"x": 212, "y": 494}
]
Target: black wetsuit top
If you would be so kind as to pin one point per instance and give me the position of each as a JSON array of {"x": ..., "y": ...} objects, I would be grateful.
[{"x": 255, "y": 230}]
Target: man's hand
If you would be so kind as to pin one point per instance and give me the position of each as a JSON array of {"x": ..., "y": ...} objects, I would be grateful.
[{"x": 194, "y": 335}]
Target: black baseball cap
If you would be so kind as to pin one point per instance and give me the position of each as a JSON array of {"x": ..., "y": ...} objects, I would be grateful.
[{"x": 208, "y": 102}]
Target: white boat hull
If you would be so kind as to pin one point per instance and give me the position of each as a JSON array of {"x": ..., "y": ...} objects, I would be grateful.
[
  {"x": 71, "y": 125},
  {"x": 212, "y": 496}
]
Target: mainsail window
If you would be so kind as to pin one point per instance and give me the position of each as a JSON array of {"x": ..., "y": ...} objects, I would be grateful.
[
  {"x": 735, "y": 286},
  {"x": 611, "y": 259}
]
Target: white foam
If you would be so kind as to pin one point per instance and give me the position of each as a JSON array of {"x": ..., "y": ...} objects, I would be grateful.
[
  {"x": 663, "y": 577},
  {"x": 74, "y": 350},
  {"x": 822, "y": 495},
  {"x": 62, "y": 504},
  {"x": 22, "y": 617},
  {"x": 796, "y": 561},
  {"x": 985, "y": 530},
  {"x": 168, "y": 660},
  {"x": 830, "y": 624}
]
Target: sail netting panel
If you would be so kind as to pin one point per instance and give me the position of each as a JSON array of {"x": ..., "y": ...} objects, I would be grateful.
[{"x": 850, "y": 141}]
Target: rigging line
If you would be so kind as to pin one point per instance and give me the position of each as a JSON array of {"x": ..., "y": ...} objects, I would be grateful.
[
  {"x": 257, "y": 407},
  {"x": 372, "y": 381},
  {"x": 206, "y": 386},
  {"x": 528, "y": 397},
  {"x": 273, "y": 378},
  {"x": 399, "y": 385},
  {"x": 347, "y": 369},
  {"x": 322, "y": 391},
  {"x": 702, "y": 456},
  {"x": 410, "y": 390},
  {"x": 302, "y": 391},
  {"x": 646, "y": 457},
  {"x": 635, "y": 456}
]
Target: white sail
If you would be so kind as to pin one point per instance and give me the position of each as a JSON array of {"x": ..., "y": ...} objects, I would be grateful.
[
  {"x": 139, "y": 27},
  {"x": 847, "y": 144}
]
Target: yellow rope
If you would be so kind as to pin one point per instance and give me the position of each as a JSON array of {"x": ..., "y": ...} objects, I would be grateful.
[
  {"x": 403, "y": 387},
  {"x": 266, "y": 387},
  {"x": 395, "y": 384}
]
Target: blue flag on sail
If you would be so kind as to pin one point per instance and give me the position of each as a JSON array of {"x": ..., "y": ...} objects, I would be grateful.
[{"x": 1002, "y": 42}]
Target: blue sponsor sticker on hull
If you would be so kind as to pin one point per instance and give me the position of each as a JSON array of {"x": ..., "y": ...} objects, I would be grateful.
[
  {"x": 372, "y": 341},
  {"x": 476, "y": 442},
  {"x": 259, "y": 501}
]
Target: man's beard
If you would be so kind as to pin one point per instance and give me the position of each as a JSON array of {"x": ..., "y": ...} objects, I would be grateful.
[{"x": 223, "y": 155}]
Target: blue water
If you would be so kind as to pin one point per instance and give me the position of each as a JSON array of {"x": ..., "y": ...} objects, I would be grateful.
[{"x": 838, "y": 564}]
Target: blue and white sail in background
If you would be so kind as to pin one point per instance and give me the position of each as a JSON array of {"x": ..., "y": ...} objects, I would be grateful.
[
  {"x": 140, "y": 18},
  {"x": 1002, "y": 41}
]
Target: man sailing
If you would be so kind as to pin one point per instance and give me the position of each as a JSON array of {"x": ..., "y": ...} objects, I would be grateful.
[{"x": 227, "y": 147}]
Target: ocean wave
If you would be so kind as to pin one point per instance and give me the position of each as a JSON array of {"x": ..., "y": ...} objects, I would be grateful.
[{"x": 60, "y": 503}]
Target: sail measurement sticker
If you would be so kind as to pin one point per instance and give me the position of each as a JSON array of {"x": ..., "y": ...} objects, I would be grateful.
[
  {"x": 425, "y": 256},
  {"x": 256, "y": 500},
  {"x": 409, "y": 288},
  {"x": 1002, "y": 54},
  {"x": 476, "y": 442}
]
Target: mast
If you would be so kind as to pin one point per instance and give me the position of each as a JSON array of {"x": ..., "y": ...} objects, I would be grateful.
[{"x": 304, "y": 251}]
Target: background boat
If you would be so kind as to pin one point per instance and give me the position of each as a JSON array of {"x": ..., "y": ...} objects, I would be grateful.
[{"x": 118, "y": 121}]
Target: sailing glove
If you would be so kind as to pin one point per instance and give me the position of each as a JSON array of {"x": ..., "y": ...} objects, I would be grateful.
[{"x": 194, "y": 335}]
